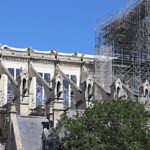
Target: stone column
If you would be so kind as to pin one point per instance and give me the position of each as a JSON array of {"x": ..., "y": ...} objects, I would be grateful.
[
  {"x": 14, "y": 140},
  {"x": 49, "y": 110},
  {"x": 58, "y": 109},
  {"x": 12, "y": 112}
]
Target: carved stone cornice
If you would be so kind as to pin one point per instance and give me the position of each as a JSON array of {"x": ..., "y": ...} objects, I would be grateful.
[{"x": 51, "y": 57}]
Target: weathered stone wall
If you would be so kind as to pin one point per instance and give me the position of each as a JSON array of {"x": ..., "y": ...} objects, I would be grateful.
[{"x": 43, "y": 62}]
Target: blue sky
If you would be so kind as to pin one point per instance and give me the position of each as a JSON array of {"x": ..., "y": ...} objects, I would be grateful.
[{"x": 66, "y": 25}]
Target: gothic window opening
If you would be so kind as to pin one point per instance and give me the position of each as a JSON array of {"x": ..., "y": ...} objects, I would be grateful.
[
  {"x": 66, "y": 92},
  {"x": 39, "y": 87},
  {"x": 24, "y": 89},
  {"x": 58, "y": 89},
  {"x": 89, "y": 93},
  {"x": 47, "y": 79},
  {"x": 146, "y": 93},
  {"x": 118, "y": 91},
  {"x": 72, "y": 101}
]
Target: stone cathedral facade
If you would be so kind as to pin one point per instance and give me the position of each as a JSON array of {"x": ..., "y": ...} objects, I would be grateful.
[
  {"x": 36, "y": 87},
  {"x": 19, "y": 62}
]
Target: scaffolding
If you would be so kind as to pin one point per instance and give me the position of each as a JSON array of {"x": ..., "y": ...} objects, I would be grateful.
[{"x": 123, "y": 39}]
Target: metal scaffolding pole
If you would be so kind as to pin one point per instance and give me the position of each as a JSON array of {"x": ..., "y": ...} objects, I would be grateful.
[{"x": 123, "y": 39}]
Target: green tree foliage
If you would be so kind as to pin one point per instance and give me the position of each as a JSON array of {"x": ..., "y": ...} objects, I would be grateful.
[{"x": 119, "y": 125}]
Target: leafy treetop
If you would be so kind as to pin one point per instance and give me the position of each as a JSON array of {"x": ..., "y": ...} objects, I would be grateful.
[{"x": 121, "y": 124}]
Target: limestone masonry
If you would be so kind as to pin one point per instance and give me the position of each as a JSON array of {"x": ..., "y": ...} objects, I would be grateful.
[{"x": 36, "y": 87}]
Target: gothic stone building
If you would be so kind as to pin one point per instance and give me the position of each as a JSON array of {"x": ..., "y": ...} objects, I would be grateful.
[{"x": 36, "y": 87}]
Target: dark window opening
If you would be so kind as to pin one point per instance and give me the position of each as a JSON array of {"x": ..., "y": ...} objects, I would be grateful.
[
  {"x": 24, "y": 89},
  {"x": 118, "y": 91},
  {"x": 58, "y": 89},
  {"x": 89, "y": 93},
  {"x": 146, "y": 93}
]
